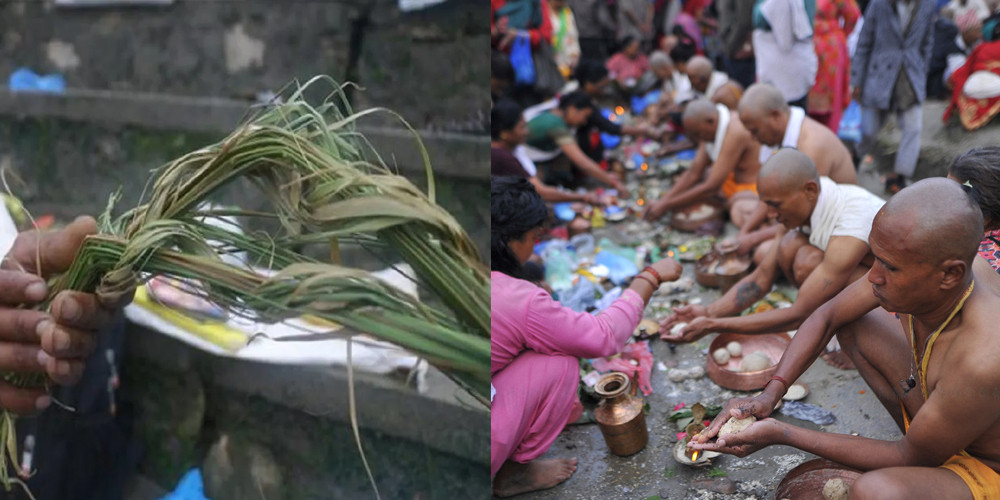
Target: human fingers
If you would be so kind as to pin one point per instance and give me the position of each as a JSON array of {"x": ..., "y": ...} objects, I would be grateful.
[
  {"x": 713, "y": 428},
  {"x": 63, "y": 371},
  {"x": 21, "y": 325},
  {"x": 45, "y": 253},
  {"x": 21, "y": 358},
  {"x": 63, "y": 342},
  {"x": 79, "y": 310},
  {"x": 23, "y": 401},
  {"x": 17, "y": 287},
  {"x": 668, "y": 268}
]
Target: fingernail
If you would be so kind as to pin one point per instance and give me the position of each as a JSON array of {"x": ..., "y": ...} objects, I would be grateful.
[
  {"x": 70, "y": 310},
  {"x": 44, "y": 327},
  {"x": 43, "y": 358},
  {"x": 43, "y": 402},
  {"x": 36, "y": 291},
  {"x": 62, "y": 368}
]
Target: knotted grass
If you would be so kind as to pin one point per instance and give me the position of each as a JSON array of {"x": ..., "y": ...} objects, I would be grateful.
[{"x": 323, "y": 182}]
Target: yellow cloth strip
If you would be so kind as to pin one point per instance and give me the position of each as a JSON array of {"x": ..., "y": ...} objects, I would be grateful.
[{"x": 215, "y": 332}]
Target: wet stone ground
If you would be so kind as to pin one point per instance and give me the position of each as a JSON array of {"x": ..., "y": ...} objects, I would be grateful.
[{"x": 653, "y": 472}]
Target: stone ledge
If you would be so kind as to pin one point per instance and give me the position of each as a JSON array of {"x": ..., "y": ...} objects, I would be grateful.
[
  {"x": 383, "y": 404},
  {"x": 452, "y": 155}
]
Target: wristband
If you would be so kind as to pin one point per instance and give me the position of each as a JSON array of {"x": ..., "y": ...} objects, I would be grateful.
[
  {"x": 779, "y": 379},
  {"x": 655, "y": 274},
  {"x": 647, "y": 280}
]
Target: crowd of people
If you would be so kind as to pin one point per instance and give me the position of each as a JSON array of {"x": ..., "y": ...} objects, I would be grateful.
[{"x": 900, "y": 290}]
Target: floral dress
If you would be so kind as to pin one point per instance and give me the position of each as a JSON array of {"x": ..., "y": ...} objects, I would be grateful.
[
  {"x": 989, "y": 248},
  {"x": 830, "y": 94}
]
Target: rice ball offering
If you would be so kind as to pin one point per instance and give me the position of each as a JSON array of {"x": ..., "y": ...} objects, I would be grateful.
[
  {"x": 836, "y": 489},
  {"x": 677, "y": 375},
  {"x": 735, "y": 425},
  {"x": 795, "y": 392},
  {"x": 755, "y": 362},
  {"x": 721, "y": 356},
  {"x": 695, "y": 372},
  {"x": 677, "y": 329},
  {"x": 735, "y": 349}
]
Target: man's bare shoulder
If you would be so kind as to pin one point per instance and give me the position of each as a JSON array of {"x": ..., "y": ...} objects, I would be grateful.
[{"x": 978, "y": 342}]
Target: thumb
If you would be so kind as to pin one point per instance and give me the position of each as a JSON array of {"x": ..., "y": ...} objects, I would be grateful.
[{"x": 49, "y": 252}]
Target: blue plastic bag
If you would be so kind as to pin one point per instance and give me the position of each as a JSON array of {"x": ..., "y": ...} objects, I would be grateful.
[
  {"x": 520, "y": 59},
  {"x": 620, "y": 267},
  {"x": 188, "y": 488},
  {"x": 850, "y": 123},
  {"x": 23, "y": 79}
]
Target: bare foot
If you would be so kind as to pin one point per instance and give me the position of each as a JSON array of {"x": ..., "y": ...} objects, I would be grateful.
[
  {"x": 514, "y": 478},
  {"x": 838, "y": 359}
]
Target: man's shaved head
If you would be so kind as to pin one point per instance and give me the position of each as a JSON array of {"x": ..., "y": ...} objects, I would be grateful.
[
  {"x": 762, "y": 98},
  {"x": 937, "y": 220},
  {"x": 788, "y": 169},
  {"x": 701, "y": 120},
  {"x": 699, "y": 66},
  {"x": 700, "y": 109}
]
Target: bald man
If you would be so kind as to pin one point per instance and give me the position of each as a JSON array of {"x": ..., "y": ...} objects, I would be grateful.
[
  {"x": 712, "y": 85},
  {"x": 824, "y": 249},
  {"x": 775, "y": 124},
  {"x": 934, "y": 369},
  {"x": 726, "y": 163}
]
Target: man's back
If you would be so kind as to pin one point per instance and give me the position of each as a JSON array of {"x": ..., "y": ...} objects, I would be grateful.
[
  {"x": 748, "y": 164},
  {"x": 825, "y": 149}
]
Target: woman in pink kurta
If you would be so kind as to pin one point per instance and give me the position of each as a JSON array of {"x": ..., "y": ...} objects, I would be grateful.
[
  {"x": 536, "y": 344},
  {"x": 831, "y": 94}
]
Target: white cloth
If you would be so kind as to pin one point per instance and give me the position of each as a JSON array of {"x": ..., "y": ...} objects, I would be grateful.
[
  {"x": 842, "y": 210},
  {"x": 796, "y": 117},
  {"x": 982, "y": 10},
  {"x": 956, "y": 60},
  {"x": 715, "y": 83},
  {"x": 8, "y": 230},
  {"x": 522, "y": 156},
  {"x": 713, "y": 147},
  {"x": 785, "y": 55},
  {"x": 682, "y": 87},
  {"x": 982, "y": 85},
  {"x": 789, "y": 22}
]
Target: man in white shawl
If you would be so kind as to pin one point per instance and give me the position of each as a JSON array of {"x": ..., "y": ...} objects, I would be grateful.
[
  {"x": 783, "y": 46},
  {"x": 824, "y": 249}
]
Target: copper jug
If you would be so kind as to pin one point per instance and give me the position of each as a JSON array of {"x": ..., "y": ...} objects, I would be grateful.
[{"x": 620, "y": 415}]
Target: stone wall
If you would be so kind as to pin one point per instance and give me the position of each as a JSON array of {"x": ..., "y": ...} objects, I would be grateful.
[{"x": 426, "y": 64}]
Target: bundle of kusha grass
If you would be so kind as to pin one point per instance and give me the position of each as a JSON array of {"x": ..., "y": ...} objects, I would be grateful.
[{"x": 323, "y": 183}]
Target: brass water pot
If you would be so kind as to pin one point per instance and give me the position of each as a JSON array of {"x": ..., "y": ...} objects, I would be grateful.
[{"x": 620, "y": 415}]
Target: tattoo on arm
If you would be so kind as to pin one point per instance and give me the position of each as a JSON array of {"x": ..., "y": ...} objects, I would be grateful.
[
  {"x": 827, "y": 283},
  {"x": 747, "y": 294}
]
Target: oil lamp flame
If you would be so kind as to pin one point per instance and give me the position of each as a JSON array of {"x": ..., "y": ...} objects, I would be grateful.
[
  {"x": 620, "y": 110},
  {"x": 694, "y": 456}
]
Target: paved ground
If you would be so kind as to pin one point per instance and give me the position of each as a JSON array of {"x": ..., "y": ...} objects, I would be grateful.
[{"x": 653, "y": 471}]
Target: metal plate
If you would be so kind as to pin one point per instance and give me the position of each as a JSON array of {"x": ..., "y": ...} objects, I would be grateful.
[
  {"x": 730, "y": 376},
  {"x": 806, "y": 481}
]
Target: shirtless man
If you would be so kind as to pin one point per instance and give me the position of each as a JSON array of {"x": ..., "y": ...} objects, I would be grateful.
[
  {"x": 730, "y": 156},
  {"x": 834, "y": 254},
  {"x": 942, "y": 395},
  {"x": 775, "y": 125}
]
